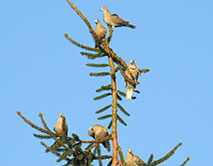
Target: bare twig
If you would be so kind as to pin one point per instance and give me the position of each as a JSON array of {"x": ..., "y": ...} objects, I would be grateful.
[
  {"x": 85, "y": 20},
  {"x": 80, "y": 45},
  {"x": 31, "y": 124},
  {"x": 187, "y": 159}
]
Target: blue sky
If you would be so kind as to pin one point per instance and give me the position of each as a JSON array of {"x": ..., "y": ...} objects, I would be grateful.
[{"x": 42, "y": 72}]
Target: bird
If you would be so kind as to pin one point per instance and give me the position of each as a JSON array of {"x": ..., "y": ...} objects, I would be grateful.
[
  {"x": 114, "y": 20},
  {"x": 133, "y": 160},
  {"x": 132, "y": 73},
  {"x": 100, "y": 31},
  {"x": 98, "y": 132},
  {"x": 60, "y": 126}
]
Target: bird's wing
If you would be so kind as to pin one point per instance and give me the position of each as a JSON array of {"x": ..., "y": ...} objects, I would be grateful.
[
  {"x": 116, "y": 19},
  {"x": 138, "y": 160}
]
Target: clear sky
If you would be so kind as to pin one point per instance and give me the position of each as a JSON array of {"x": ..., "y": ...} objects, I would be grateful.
[{"x": 43, "y": 72}]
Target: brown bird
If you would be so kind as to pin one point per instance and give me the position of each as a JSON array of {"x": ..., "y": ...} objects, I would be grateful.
[
  {"x": 133, "y": 160},
  {"x": 132, "y": 73},
  {"x": 60, "y": 126},
  {"x": 100, "y": 31},
  {"x": 98, "y": 132},
  {"x": 114, "y": 20}
]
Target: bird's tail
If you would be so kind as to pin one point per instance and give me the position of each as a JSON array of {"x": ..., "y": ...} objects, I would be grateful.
[
  {"x": 129, "y": 25},
  {"x": 106, "y": 144},
  {"x": 129, "y": 94}
]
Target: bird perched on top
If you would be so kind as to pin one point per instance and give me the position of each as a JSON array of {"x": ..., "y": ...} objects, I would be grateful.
[
  {"x": 60, "y": 126},
  {"x": 100, "y": 31},
  {"x": 114, "y": 20},
  {"x": 133, "y": 160},
  {"x": 132, "y": 73},
  {"x": 98, "y": 132}
]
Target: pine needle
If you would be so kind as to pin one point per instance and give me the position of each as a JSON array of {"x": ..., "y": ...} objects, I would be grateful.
[
  {"x": 103, "y": 109},
  {"x": 104, "y": 117},
  {"x": 102, "y": 96}
]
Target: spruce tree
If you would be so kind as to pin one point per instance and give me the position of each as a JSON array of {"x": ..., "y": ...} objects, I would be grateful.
[{"x": 79, "y": 152}]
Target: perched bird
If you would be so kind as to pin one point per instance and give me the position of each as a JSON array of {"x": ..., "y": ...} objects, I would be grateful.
[
  {"x": 114, "y": 20},
  {"x": 98, "y": 132},
  {"x": 100, "y": 31},
  {"x": 60, "y": 126},
  {"x": 132, "y": 73},
  {"x": 133, "y": 160}
]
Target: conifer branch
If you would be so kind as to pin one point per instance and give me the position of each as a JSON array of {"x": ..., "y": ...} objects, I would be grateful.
[
  {"x": 150, "y": 160},
  {"x": 49, "y": 149},
  {"x": 88, "y": 147},
  {"x": 187, "y": 159},
  {"x": 102, "y": 157},
  {"x": 80, "y": 45},
  {"x": 93, "y": 56},
  {"x": 110, "y": 163},
  {"x": 99, "y": 154},
  {"x": 103, "y": 109},
  {"x": 110, "y": 33},
  {"x": 110, "y": 52},
  {"x": 121, "y": 93},
  {"x": 121, "y": 120},
  {"x": 143, "y": 70},
  {"x": 42, "y": 136},
  {"x": 65, "y": 154},
  {"x": 110, "y": 125},
  {"x": 121, "y": 156},
  {"x": 122, "y": 66},
  {"x": 54, "y": 152},
  {"x": 102, "y": 96},
  {"x": 95, "y": 144},
  {"x": 100, "y": 162},
  {"x": 119, "y": 97},
  {"x": 104, "y": 117},
  {"x": 89, "y": 141},
  {"x": 116, "y": 69},
  {"x": 75, "y": 137},
  {"x": 51, "y": 133},
  {"x": 54, "y": 146},
  {"x": 31, "y": 124},
  {"x": 100, "y": 74},
  {"x": 123, "y": 110},
  {"x": 97, "y": 65},
  {"x": 114, "y": 105},
  {"x": 61, "y": 150},
  {"x": 95, "y": 150},
  {"x": 156, "y": 162},
  {"x": 95, "y": 141},
  {"x": 85, "y": 20},
  {"x": 107, "y": 87}
]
